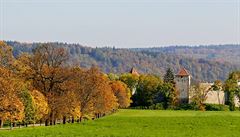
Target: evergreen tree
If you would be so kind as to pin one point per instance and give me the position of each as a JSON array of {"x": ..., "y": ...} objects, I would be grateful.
[{"x": 169, "y": 76}]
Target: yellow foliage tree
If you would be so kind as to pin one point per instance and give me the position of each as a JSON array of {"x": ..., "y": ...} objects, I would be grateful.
[{"x": 40, "y": 104}]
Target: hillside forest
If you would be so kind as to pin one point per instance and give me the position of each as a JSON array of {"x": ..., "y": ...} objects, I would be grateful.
[{"x": 205, "y": 63}]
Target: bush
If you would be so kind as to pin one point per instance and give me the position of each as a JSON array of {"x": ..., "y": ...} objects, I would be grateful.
[
  {"x": 190, "y": 106},
  {"x": 160, "y": 106},
  {"x": 216, "y": 107}
]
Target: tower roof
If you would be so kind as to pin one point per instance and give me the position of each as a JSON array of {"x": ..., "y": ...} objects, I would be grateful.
[
  {"x": 134, "y": 71},
  {"x": 183, "y": 72}
]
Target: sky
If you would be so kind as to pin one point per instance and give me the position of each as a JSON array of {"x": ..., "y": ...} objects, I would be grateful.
[{"x": 121, "y": 23}]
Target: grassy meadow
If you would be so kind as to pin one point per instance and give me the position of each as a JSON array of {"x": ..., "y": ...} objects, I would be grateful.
[{"x": 143, "y": 123}]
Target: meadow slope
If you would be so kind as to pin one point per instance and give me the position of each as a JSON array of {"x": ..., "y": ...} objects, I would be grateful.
[{"x": 143, "y": 123}]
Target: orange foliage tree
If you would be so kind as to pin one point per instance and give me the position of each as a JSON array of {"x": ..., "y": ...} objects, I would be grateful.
[
  {"x": 11, "y": 107},
  {"x": 94, "y": 93},
  {"x": 122, "y": 92}
]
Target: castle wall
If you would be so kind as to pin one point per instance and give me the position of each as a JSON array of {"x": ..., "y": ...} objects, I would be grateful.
[
  {"x": 236, "y": 101},
  {"x": 215, "y": 97}
]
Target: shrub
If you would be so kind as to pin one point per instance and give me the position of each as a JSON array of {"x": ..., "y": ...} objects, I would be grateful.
[
  {"x": 159, "y": 106},
  {"x": 216, "y": 107},
  {"x": 190, "y": 106}
]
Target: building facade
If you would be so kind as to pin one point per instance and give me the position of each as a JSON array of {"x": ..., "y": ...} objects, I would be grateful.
[{"x": 183, "y": 83}]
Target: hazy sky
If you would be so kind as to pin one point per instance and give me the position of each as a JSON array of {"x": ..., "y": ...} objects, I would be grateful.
[{"x": 121, "y": 23}]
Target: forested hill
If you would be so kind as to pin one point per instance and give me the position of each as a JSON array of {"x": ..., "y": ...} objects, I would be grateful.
[
  {"x": 205, "y": 63},
  {"x": 220, "y": 53}
]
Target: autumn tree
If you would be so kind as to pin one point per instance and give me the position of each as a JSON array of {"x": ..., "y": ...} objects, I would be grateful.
[
  {"x": 106, "y": 102},
  {"x": 6, "y": 57},
  {"x": 93, "y": 92},
  {"x": 47, "y": 72},
  {"x": 40, "y": 104},
  {"x": 11, "y": 106},
  {"x": 68, "y": 106},
  {"x": 122, "y": 92}
]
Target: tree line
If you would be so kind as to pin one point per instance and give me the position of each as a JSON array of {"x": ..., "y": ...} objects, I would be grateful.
[
  {"x": 42, "y": 87},
  {"x": 153, "y": 92}
]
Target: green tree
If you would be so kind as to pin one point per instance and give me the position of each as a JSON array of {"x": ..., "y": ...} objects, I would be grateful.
[
  {"x": 230, "y": 88},
  {"x": 29, "y": 109},
  {"x": 146, "y": 89},
  {"x": 166, "y": 95},
  {"x": 130, "y": 80},
  {"x": 169, "y": 76},
  {"x": 170, "y": 89},
  {"x": 112, "y": 76}
]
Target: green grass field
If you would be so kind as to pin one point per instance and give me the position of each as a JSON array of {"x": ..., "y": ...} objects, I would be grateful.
[{"x": 143, "y": 123}]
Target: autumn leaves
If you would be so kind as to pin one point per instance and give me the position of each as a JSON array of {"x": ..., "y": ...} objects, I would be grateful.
[{"x": 42, "y": 87}]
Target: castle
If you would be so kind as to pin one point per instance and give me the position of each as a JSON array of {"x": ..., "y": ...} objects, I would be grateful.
[{"x": 183, "y": 85}]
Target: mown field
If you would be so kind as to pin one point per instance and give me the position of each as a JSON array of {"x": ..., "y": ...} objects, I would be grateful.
[{"x": 143, "y": 123}]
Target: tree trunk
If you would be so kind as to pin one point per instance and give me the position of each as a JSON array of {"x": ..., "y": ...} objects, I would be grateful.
[
  {"x": 98, "y": 115},
  {"x": 1, "y": 123},
  {"x": 14, "y": 124},
  {"x": 95, "y": 115},
  {"x": 11, "y": 125},
  {"x": 51, "y": 119},
  {"x": 80, "y": 119},
  {"x": 46, "y": 122},
  {"x": 72, "y": 119},
  {"x": 54, "y": 122},
  {"x": 64, "y": 119}
]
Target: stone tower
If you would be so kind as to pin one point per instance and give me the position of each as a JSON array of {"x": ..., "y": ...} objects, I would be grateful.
[
  {"x": 134, "y": 71},
  {"x": 183, "y": 81}
]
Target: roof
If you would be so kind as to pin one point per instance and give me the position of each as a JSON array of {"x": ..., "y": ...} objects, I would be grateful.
[
  {"x": 134, "y": 71},
  {"x": 183, "y": 72}
]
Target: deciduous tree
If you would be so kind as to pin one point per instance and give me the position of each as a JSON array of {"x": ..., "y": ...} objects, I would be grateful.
[{"x": 122, "y": 92}]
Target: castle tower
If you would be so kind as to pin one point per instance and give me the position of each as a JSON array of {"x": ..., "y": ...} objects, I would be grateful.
[
  {"x": 134, "y": 71},
  {"x": 183, "y": 81}
]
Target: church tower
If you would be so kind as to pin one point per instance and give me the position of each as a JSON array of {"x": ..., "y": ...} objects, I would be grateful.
[{"x": 183, "y": 81}]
